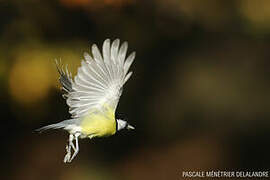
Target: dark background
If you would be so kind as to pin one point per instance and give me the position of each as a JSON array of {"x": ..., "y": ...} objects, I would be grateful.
[{"x": 199, "y": 96}]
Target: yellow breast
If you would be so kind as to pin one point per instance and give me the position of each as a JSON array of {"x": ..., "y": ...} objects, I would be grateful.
[{"x": 99, "y": 123}]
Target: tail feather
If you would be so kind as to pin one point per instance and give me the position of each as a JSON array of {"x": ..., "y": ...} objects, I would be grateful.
[
  {"x": 51, "y": 126},
  {"x": 59, "y": 125}
]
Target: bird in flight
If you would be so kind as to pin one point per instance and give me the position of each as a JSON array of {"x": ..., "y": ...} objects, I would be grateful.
[{"x": 93, "y": 95}]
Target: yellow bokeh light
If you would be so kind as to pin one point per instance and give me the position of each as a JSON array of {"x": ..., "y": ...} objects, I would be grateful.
[
  {"x": 257, "y": 12},
  {"x": 33, "y": 73},
  {"x": 30, "y": 77}
]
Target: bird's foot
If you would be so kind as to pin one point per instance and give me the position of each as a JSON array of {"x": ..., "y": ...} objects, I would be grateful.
[
  {"x": 68, "y": 158},
  {"x": 68, "y": 155}
]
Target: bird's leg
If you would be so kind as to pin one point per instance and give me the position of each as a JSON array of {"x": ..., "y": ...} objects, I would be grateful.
[
  {"x": 76, "y": 150},
  {"x": 71, "y": 138},
  {"x": 68, "y": 148}
]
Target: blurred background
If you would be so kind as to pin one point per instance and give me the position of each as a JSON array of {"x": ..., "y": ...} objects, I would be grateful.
[{"x": 199, "y": 96}]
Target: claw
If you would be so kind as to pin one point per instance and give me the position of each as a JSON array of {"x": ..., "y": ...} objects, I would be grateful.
[
  {"x": 66, "y": 159},
  {"x": 67, "y": 148},
  {"x": 68, "y": 155}
]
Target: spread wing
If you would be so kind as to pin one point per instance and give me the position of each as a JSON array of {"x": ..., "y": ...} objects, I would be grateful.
[{"x": 99, "y": 80}]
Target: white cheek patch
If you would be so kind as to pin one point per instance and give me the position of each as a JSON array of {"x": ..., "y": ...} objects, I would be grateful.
[{"x": 121, "y": 124}]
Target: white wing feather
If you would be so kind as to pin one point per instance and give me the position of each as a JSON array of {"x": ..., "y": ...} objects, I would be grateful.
[{"x": 99, "y": 80}]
